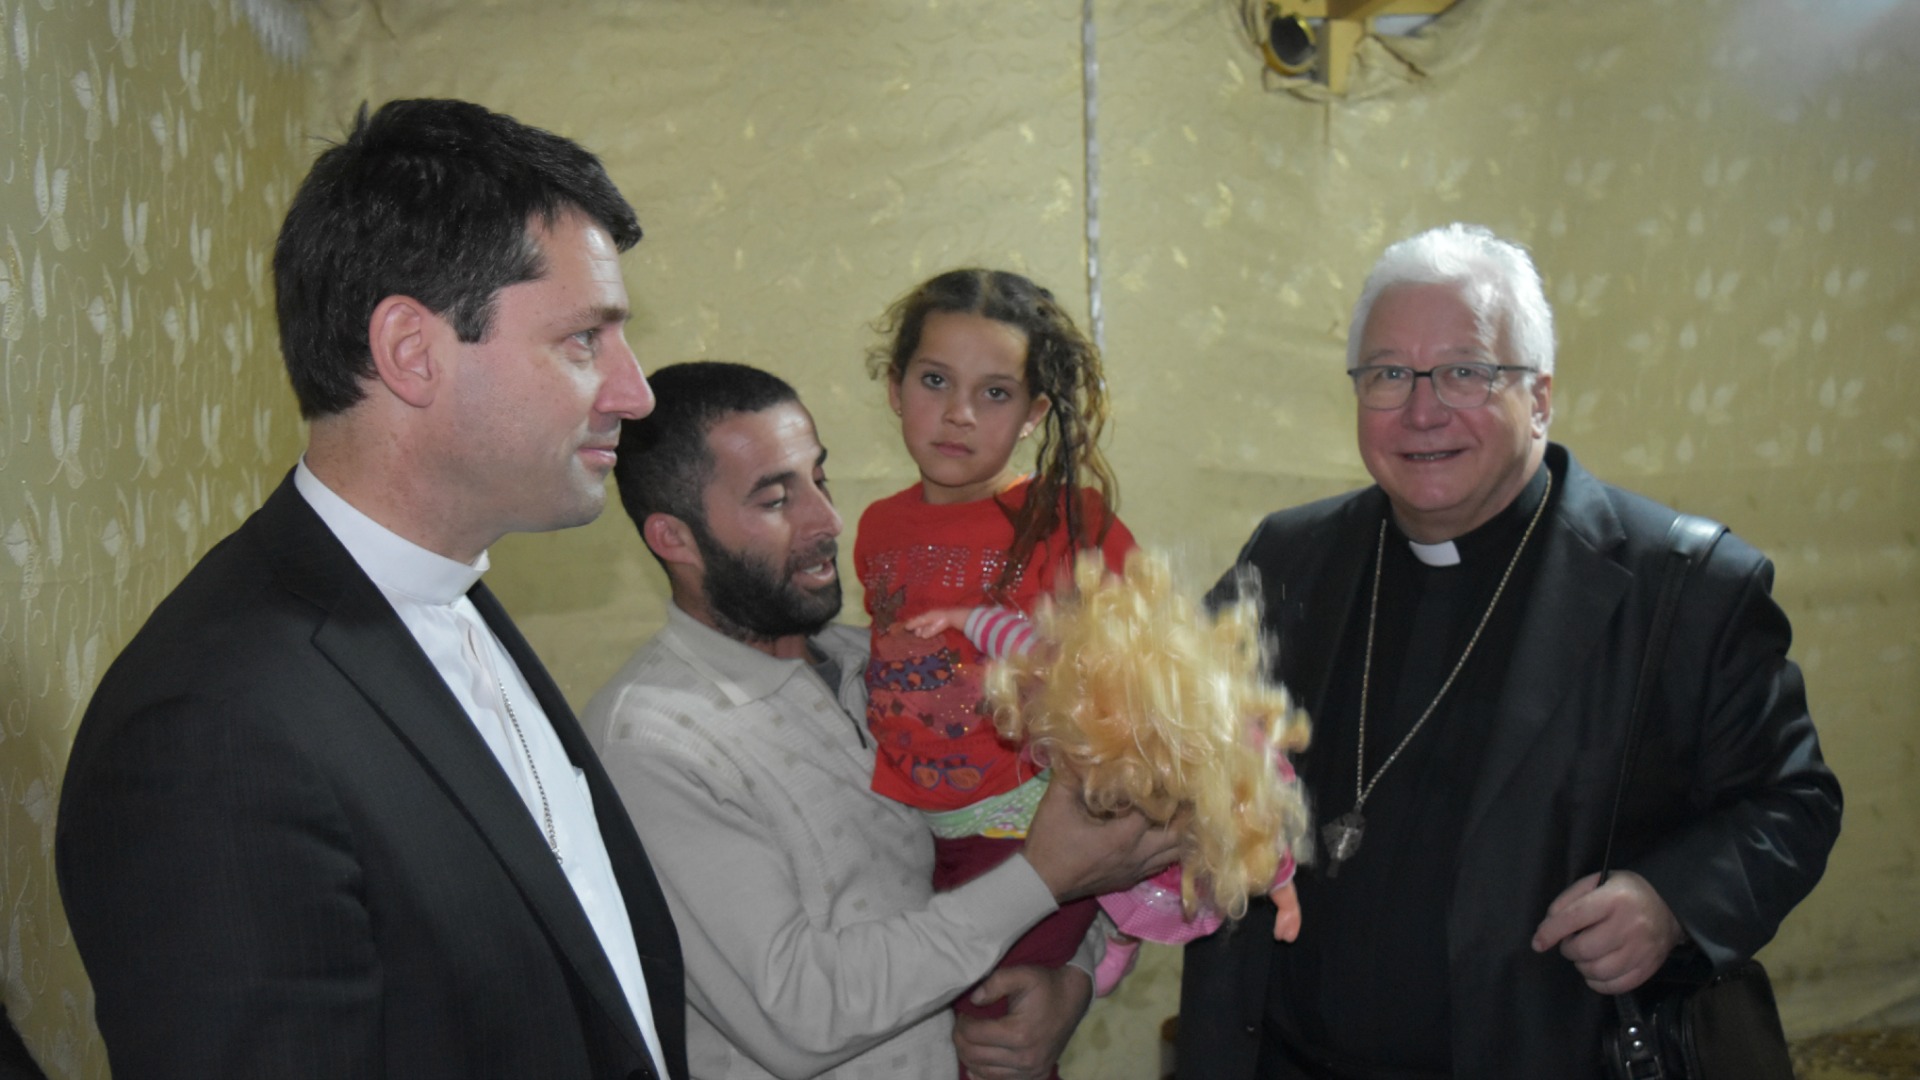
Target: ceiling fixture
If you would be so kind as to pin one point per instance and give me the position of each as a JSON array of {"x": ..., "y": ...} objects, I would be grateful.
[{"x": 1315, "y": 39}]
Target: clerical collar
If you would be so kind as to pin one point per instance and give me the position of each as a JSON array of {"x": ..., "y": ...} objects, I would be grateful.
[
  {"x": 391, "y": 560},
  {"x": 1443, "y": 553},
  {"x": 1494, "y": 539}
]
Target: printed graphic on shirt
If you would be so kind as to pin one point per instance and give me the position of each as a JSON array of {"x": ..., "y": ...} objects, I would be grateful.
[{"x": 925, "y": 696}]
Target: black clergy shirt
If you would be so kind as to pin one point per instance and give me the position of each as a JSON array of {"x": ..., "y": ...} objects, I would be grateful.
[{"x": 1363, "y": 991}]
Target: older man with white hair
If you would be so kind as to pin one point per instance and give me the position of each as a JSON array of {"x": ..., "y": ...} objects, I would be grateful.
[{"x": 1469, "y": 633}]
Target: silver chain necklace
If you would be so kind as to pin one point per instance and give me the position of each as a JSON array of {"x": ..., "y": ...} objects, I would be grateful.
[
  {"x": 1343, "y": 834},
  {"x": 546, "y": 809}
]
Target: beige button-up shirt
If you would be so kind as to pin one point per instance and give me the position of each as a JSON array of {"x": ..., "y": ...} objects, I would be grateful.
[{"x": 813, "y": 941}]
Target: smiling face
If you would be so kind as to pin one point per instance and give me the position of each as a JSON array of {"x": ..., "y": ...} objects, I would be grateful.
[
  {"x": 963, "y": 404},
  {"x": 535, "y": 408},
  {"x": 770, "y": 538},
  {"x": 1447, "y": 471}
]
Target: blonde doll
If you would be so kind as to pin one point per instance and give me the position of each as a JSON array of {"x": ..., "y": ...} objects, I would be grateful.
[{"x": 1161, "y": 708}]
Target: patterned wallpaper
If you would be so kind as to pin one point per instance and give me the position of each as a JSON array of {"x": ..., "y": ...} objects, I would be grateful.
[
  {"x": 1719, "y": 191},
  {"x": 1721, "y": 197},
  {"x": 147, "y": 150},
  {"x": 1720, "y": 194}
]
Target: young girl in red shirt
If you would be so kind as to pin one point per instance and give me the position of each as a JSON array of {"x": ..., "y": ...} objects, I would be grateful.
[{"x": 976, "y": 362}]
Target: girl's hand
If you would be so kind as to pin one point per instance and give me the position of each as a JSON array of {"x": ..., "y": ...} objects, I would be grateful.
[
  {"x": 1286, "y": 922},
  {"x": 933, "y": 623}
]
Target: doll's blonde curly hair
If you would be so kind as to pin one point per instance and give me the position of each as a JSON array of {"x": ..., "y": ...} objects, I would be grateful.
[{"x": 1158, "y": 706}]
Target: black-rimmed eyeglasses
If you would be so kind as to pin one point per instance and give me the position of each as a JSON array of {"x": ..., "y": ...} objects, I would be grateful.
[{"x": 1459, "y": 386}]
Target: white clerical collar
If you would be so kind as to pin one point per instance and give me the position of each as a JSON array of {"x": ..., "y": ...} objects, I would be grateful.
[
  {"x": 396, "y": 564},
  {"x": 1440, "y": 554}
]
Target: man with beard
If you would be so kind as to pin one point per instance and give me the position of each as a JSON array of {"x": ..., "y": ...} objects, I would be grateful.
[{"x": 813, "y": 944}]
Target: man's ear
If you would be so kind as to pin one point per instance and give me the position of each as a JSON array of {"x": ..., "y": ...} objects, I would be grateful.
[
  {"x": 671, "y": 541},
  {"x": 1542, "y": 404},
  {"x": 405, "y": 339}
]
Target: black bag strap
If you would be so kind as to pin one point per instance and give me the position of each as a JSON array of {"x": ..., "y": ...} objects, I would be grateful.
[{"x": 1689, "y": 541}]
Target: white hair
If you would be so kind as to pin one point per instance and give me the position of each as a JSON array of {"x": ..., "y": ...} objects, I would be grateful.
[{"x": 1496, "y": 278}]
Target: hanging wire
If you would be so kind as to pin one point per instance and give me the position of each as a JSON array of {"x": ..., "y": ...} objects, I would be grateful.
[{"x": 1090, "y": 84}]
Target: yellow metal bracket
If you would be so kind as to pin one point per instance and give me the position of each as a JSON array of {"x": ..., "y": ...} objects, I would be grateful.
[{"x": 1344, "y": 23}]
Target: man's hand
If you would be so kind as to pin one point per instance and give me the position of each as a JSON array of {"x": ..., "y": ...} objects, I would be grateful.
[
  {"x": 1077, "y": 854},
  {"x": 1044, "y": 1005},
  {"x": 1617, "y": 934}
]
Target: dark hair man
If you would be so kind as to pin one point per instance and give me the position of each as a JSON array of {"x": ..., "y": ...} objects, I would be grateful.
[
  {"x": 327, "y": 815},
  {"x": 815, "y": 946},
  {"x": 1468, "y": 634}
]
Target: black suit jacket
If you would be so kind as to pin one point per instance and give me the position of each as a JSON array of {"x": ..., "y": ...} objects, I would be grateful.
[
  {"x": 285, "y": 851},
  {"x": 1730, "y": 814}
]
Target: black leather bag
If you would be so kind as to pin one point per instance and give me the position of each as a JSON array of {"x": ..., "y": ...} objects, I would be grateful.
[{"x": 1728, "y": 1026}]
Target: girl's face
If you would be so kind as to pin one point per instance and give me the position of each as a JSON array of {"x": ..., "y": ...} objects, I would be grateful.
[{"x": 963, "y": 405}]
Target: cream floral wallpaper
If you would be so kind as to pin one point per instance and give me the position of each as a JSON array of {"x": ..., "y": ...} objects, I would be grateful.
[
  {"x": 147, "y": 150},
  {"x": 1722, "y": 198},
  {"x": 1720, "y": 193}
]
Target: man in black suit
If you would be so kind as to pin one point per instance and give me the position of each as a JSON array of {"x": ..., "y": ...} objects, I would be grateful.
[
  {"x": 327, "y": 815},
  {"x": 1469, "y": 635}
]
